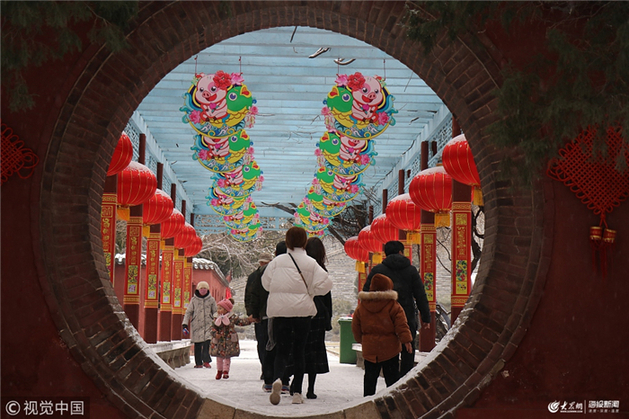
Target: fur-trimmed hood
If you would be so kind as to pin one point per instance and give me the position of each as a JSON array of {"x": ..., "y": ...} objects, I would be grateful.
[{"x": 375, "y": 301}]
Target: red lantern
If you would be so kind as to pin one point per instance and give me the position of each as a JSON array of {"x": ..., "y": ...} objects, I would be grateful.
[
  {"x": 368, "y": 240},
  {"x": 431, "y": 190},
  {"x": 173, "y": 225},
  {"x": 158, "y": 208},
  {"x": 194, "y": 248},
  {"x": 122, "y": 155},
  {"x": 403, "y": 213},
  {"x": 185, "y": 237},
  {"x": 383, "y": 229},
  {"x": 355, "y": 251},
  {"x": 459, "y": 163},
  {"x": 136, "y": 184}
]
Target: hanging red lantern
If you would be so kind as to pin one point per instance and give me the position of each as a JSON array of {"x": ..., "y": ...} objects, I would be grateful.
[
  {"x": 459, "y": 163},
  {"x": 173, "y": 225},
  {"x": 431, "y": 190},
  {"x": 158, "y": 208},
  {"x": 355, "y": 251},
  {"x": 122, "y": 155},
  {"x": 185, "y": 237},
  {"x": 405, "y": 215},
  {"x": 383, "y": 229},
  {"x": 368, "y": 240},
  {"x": 136, "y": 184},
  {"x": 194, "y": 248}
]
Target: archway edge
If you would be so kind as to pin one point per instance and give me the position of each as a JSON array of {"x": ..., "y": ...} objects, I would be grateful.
[{"x": 83, "y": 304}]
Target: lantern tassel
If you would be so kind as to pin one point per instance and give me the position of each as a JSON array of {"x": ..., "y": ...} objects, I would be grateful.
[
  {"x": 376, "y": 258},
  {"x": 596, "y": 234},
  {"x": 442, "y": 219},
  {"x": 413, "y": 237},
  {"x": 477, "y": 196},
  {"x": 360, "y": 267},
  {"x": 609, "y": 238},
  {"x": 124, "y": 213}
]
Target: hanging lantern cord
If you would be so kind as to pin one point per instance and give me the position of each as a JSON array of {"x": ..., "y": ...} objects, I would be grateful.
[
  {"x": 195, "y": 65},
  {"x": 240, "y": 64},
  {"x": 384, "y": 68}
]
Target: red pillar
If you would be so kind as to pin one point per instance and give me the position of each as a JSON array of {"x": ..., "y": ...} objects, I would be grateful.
[
  {"x": 428, "y": 264},
  {"x": 131, "y": 299},
  {"x": 165, "y": 309},
  {"x": 151, "y": 285},
  {"x": 461, "y": 246},
  {"x": 187, "y": 284},
  {"x": 108, "y": 223},
  {"x": 177, "y": 318}
]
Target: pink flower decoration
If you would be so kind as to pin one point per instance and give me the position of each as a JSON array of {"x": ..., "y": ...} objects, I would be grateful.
[
  {"x": 254, "y": 110},
  {"x": 364, "y": 159},
  {"x": 195, "y": 116},
  {"x": 318, "y": 152},
  {"x": 341, "y": 80},
  {"x": 221, "y": 183},
  {"x": 222, "y": 80},
  {"x": 325, "y": 111},
  {"x": 354, "y": 189},
  {"x": 383, "y": 118},
  {"x": 355, "y": 81},
  {"x": 203, "y": 154},
  {"x": 237, "y": 78}
]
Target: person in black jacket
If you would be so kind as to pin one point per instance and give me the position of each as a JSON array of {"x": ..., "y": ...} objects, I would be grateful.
[
  {"x": 255, "y": 305},
  {"x": 410, "y": 289}
]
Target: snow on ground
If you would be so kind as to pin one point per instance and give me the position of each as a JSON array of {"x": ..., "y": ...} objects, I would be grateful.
[{"x": 340, "y": 388}]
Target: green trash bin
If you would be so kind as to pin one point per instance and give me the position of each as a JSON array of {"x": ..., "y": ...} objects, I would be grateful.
[{"x": 346, "y": 354}]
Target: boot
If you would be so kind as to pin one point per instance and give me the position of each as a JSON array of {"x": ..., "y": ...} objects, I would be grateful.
[
  {"x": 225, "y": 374},
  {"x": 219, "y": 374}
]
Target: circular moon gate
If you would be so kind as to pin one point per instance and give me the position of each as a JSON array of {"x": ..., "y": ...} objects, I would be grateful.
[{"x": 82, "y": 302}]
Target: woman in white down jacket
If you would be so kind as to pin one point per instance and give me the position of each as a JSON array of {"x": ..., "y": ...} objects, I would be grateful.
[{"x": 291, "y": 307}]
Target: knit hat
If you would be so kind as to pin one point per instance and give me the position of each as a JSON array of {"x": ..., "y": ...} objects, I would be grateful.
[
  {"x": 203, "y": 284},
  {"x": 380, "y": 282},
  {"x": 265, "y": 258},
  {"x": 226, "y": 304}
]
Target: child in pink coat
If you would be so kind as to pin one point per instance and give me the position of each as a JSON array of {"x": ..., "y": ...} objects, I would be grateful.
[{"x": 224, "y": 337}]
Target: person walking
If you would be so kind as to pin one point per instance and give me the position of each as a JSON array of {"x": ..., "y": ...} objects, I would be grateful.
[
  {"x": 410, "y": 290},
  {"x": 379, "y": 325},
  {"x": 255, "y": 306},
  {"x": 316, "y": 355},
  {"x": 199, "y": 316},
  {"x": 292, "y": 280},
  {"x": 225, "y": 343}
]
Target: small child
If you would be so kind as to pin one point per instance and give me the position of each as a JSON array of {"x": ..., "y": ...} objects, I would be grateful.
[
  {"x": 379, "y": 324},
  {"x": 224, "y": 337}
]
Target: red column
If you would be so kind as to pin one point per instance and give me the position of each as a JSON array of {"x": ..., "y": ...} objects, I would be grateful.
[
  {"x": 131, "y": 299},
  {"x": 108, "y": 224},
  {"x": 187, "y": 283},
  {"x": 428, "y": 273},
  {"x": 461, "y": 246},
  {"x": 178, "y": 265},
  {"x": 166, "y": 305},
  {"x": 151, "y": 285}
]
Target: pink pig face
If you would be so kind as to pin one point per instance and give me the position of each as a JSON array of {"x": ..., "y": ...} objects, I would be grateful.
[
  {"x": 370, "y": 94},
  {"x": 208, "y": 92}
]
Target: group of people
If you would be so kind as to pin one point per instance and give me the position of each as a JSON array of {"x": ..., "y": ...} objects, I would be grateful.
[{"x": 289, "y": 300}]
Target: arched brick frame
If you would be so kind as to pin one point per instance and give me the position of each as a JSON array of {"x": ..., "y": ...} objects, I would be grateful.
[{"x": 108, "y": 88}]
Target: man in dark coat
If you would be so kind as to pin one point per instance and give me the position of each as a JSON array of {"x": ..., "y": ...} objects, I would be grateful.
[
  {"x": 410, "y": 289},
  {"x": 255, "y": 305}
]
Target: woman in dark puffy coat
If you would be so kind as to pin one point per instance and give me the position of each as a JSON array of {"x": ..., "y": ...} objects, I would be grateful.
[{"x": 379, "y": 325}]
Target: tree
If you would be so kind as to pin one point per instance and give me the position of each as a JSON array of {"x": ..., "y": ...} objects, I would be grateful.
[{"x": 582, "y": 81}]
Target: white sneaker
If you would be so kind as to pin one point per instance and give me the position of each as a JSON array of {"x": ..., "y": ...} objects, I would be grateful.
[
  {"x": 298, "y": 398},
  {"x": 276, "y": 390}
]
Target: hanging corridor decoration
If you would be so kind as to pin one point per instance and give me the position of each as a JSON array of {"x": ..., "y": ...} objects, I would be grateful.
[
  {"x": 219, "y": 107},
  {"x": 356, "y": 111}
]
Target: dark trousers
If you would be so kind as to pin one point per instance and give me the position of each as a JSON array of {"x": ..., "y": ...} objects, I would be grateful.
[
  {"x": 262, "y": 336},
  {"x": 407, "y": 360},
  {"x": 372, "y": 372},
  {"x": 291, "y": 335},
  {"x": 202, "y": 352}
]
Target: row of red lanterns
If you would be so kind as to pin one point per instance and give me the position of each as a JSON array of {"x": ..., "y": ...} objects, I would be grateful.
[
  {"x": 137, "y": 185},
  {"x": 430, "y": 190}
]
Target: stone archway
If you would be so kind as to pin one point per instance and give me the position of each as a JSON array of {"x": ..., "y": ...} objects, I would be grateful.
[{"x": 82, "y": 302}]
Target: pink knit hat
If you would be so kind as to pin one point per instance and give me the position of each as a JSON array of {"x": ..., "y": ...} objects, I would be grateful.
[{"x": 226, "y": 304}]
